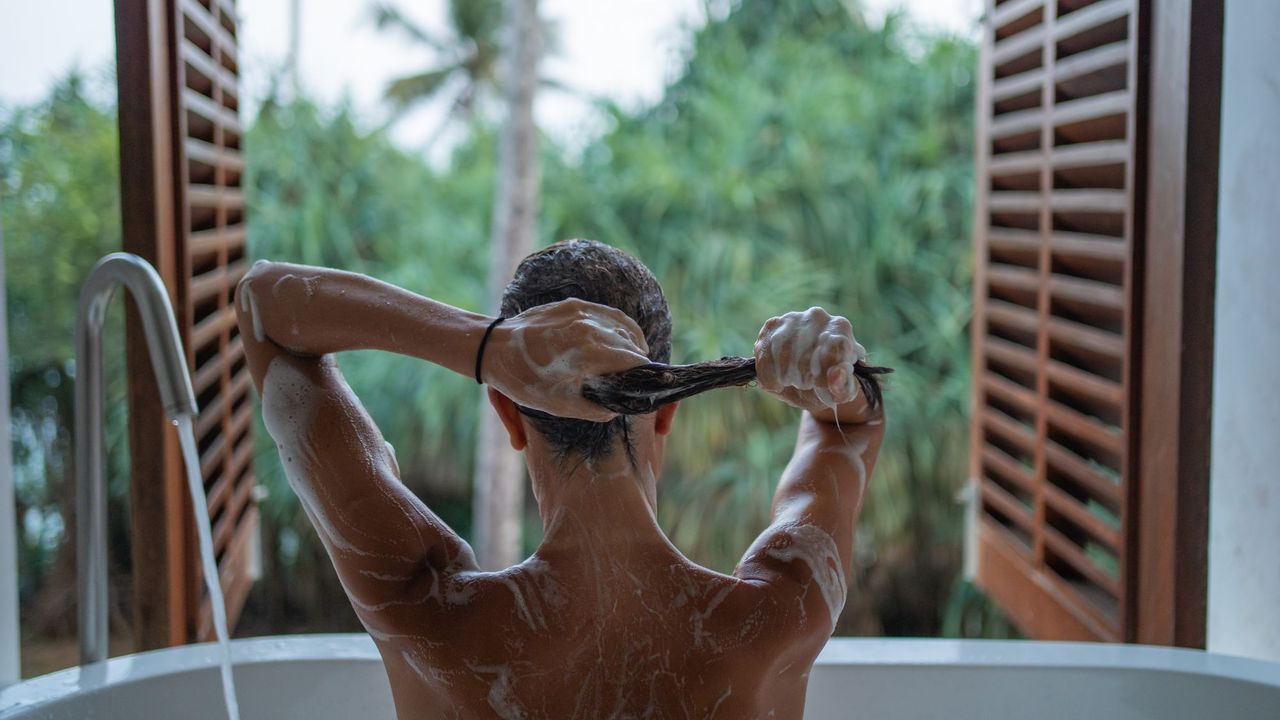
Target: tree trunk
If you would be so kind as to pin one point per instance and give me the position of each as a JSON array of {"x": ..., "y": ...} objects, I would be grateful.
[
  {"x": 499, "y": 480},
  {"x": 50, "y": 612}
]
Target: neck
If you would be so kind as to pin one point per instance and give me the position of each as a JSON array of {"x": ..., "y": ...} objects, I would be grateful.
[{"x": 604, "y": 502}]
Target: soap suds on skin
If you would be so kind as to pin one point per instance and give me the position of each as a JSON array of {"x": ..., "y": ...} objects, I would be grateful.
[
  {"x": 451, "y": 589},
  {"x": 391, "y": 458},
  {"x": 699, "y": 617},
  {"x": 561, "y": 373},
  {"x": 813, "y": 546},
  {"x": 612, "y": 616},
  {"x": 804, "y": 335},
  {"x": 249, "y": 304},
  {"x": 560, "y": 377},
  {"x": 852, "y": 453},
  {"x": 424, "y": 669},
  {"x": 794, "y": 332},
  {"x": 289, "y": 407},
  {"x": 528, "y": 610},
  {"x": 501, "y": 698},
  {"x": 716, "y": 708},
  {"x": 249, "y": 299},
  {"x": 309, "y": 285}
]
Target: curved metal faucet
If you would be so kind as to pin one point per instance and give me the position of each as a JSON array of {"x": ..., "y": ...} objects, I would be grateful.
[{"x": 169, "y": 362}]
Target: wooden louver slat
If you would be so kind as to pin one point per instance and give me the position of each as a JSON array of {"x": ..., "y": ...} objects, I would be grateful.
[
  {"x": 213, "y": 257},
  {"x": 1054, "y": 293}
]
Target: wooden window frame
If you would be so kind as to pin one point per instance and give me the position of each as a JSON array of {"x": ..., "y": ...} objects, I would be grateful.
[
  {"x": 1174, "y": 77},
  {"x": 1184, "y": 97}
]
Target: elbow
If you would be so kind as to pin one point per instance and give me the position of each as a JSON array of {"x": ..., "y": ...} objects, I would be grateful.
[
  {"x": 251, "y": 288},
  {"x": 261, "y": 274}
]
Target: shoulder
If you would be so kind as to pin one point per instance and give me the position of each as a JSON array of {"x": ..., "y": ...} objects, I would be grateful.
[
  {"x": 798, "y": 565},
  {"x": 729, "y": 618}
]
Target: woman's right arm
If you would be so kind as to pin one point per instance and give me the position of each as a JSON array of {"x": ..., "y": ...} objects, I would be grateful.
[{"x": 807, "y": 360}]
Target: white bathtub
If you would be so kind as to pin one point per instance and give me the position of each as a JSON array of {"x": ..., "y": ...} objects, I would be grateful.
[{"x": 323, "y": 677}]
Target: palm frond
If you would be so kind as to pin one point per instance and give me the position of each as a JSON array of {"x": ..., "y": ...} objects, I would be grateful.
[
  {"x": 802, "y": 158},
  {"x": 410, "y": 90},
  {"x": 479, "y": 21},
  {"x": 555, "y": 85},
  {"x": 386, "y": 16}
]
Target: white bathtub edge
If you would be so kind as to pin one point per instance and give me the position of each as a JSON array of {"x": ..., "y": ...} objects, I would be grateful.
[
  {"x": 839, "y": 652},
  {"x": 886, "y": 652},
  {"x": 154, "y": 663}
]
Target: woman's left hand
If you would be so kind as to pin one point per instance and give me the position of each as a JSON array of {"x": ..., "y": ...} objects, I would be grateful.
[{"x": 541, "y": 357}]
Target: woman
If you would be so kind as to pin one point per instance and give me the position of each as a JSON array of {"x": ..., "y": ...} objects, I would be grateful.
[{"x": 606, "y": 619}]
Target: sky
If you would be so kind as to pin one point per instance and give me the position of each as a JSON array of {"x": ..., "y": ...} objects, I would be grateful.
[{"x": 624, "y": 50}]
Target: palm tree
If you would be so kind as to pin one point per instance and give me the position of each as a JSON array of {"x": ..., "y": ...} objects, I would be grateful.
[
  {"x": 499, "y": 479},
  {"x": 470, "y": 69},
  {"x": 469, "y": 53}
]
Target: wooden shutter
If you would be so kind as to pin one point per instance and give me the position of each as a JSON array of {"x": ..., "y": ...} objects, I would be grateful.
[
  {"x": 1053, "y": 333},
  {"x": 1095, "y": 230},
  {"x": 214, "y": 261},
  {"x": 181, "y": 173}
]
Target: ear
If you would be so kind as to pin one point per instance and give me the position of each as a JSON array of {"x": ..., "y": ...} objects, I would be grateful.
[
  {"x": 664, "y": 417},
  {"x": 510, "y": 417}
]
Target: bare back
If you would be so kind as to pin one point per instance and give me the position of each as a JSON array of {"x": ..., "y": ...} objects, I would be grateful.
[
  {"x": 644, "y": 634},
  {"x": 651, "y": 636}
]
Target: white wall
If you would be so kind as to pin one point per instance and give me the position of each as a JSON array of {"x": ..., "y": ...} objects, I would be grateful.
[{"x": 1244, "y": 513}]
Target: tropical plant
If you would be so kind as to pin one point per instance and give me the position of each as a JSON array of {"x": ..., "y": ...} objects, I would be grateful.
[
  {"x": 59, "y": 207},
  {"x": 500, "y": 475},
  {"x": 468, "y": 54},
  {"x": 802, "y": 157},
  {"x": 472, "y": 55},
  {"x": 807, "y": 158}
]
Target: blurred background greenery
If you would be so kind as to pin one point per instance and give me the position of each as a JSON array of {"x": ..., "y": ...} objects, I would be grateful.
[{"x": 803, "y": 157}]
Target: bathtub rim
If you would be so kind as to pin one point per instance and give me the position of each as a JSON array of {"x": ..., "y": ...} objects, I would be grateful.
[{"x": 839, "y": 653}]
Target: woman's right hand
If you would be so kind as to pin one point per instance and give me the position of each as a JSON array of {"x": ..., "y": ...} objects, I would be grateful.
[
  {"x": 806, "y": 359},
  {"x": 540, "y": 357}
]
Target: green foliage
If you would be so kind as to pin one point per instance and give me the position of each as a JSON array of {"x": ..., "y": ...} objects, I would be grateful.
[
  {"x": 805, "y": 159},
  {"x": 802, "y": 158},
  {"x": 60, "y": 183},
  {"x": 971, "y": 614},
  {"x": 59, "y": 211},
  {"x": 321, "y": 192},
  {"x": 468, "y": 55}
]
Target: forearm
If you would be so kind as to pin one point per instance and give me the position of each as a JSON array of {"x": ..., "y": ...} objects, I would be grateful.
[
  {"x": 828, "y": 473},
  {"x": 850, "y": 414},
  {"x": 815, "y": 512},
  {"x": 316, "y": 311}
]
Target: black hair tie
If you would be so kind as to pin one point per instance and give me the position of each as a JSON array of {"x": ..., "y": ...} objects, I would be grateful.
[{"x": 483, "y": 341}]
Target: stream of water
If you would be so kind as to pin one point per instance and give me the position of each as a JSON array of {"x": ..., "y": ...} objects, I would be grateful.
[{"x": 199, "y": 503}]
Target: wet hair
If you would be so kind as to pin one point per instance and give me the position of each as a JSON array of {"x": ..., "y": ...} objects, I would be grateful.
[
  {"x": 598, "y": 273},
  {"x": 646, "y": 388},
  {"x": 595, "y": 272}
]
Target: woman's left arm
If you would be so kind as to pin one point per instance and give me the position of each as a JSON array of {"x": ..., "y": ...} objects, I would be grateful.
[
  {"x": 392, "y": 553},
  {"x": 394, "y": 556},
  {"x": 538, "y": 358}
]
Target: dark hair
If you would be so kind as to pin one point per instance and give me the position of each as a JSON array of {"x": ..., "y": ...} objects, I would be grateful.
[{"x": 595, "y": 272}]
